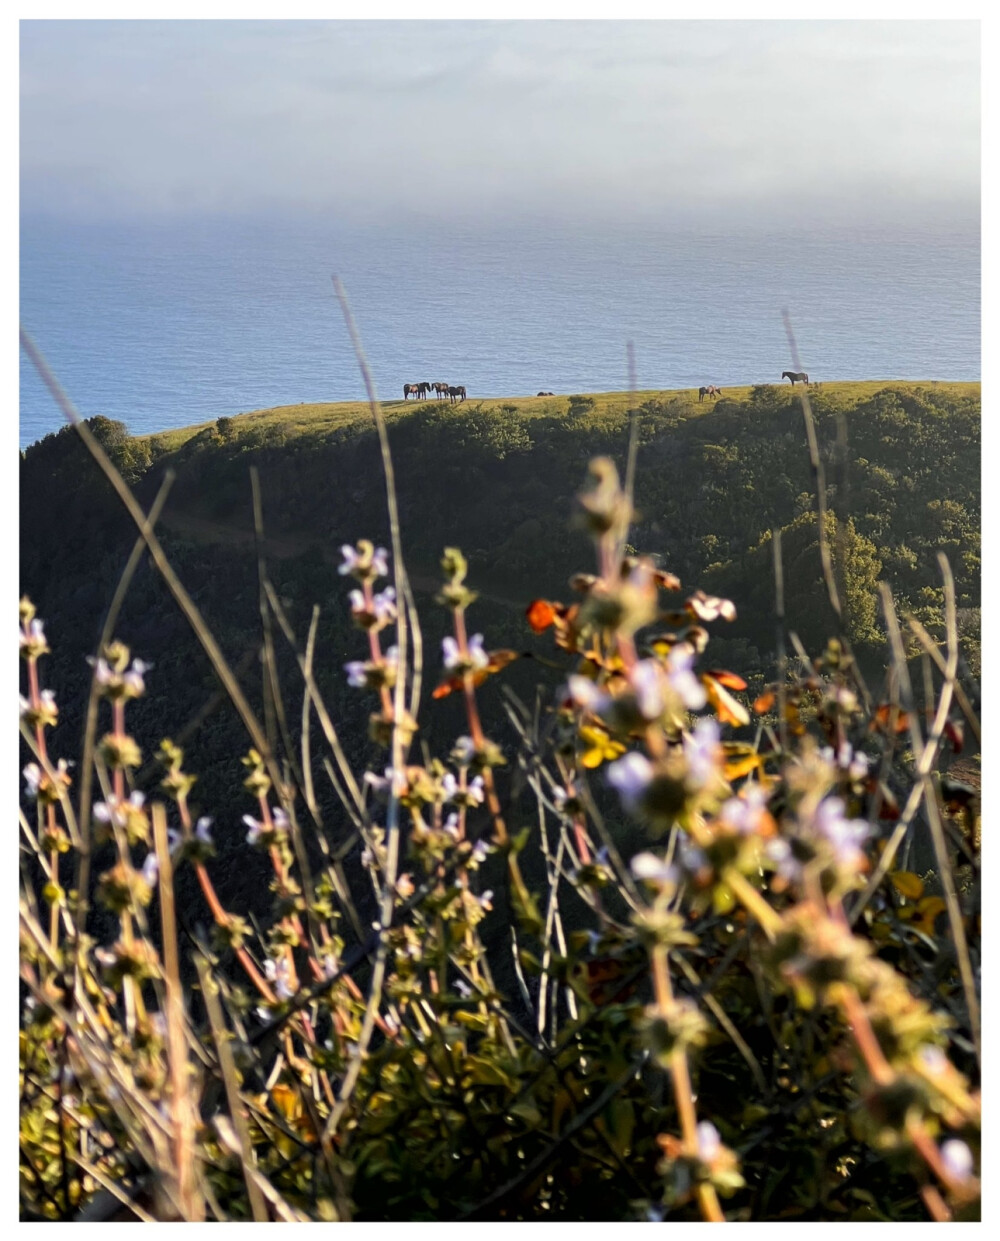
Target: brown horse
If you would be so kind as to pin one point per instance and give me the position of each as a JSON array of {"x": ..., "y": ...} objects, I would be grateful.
[
  {"x": 456, "y": 392},
  {"x": 440, "y": 389},
  {"x": 710, "y": 390},
  {"x": 796, "y": 377},
  {"x": 546, "y": 394}
]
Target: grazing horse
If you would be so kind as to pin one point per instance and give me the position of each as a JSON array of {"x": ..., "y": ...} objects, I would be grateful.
[
  {"x": 710, "y": 390},
  {"x": 795, "y": 377},
  {"x": 440, "y": 389},
  {"x": 546, "y": 394},
  {"x": 456, "y": 392}
]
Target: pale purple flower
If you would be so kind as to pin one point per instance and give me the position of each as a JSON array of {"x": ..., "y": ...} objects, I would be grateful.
[
  {"x": 357, "y": 677},
  {"x": 745, "y": 813},
  {"x": 151, "y": 869},
  {"x": 174, "y": 839},
  {"x": 935, "y": 1061},
  {"x": 846, "y": 836},
  {"x": 486, "y": 899},
  {"x": 709, "y": 1142},
  {"x": 652, "y": 869},
  {"x": 451, "y": 826},
  {"x": 279, "y": 819},
  {"x": 384, "y": 605},
  {"x": 701, "y": 749},
  {"x": 780, "y": 853},
  {"x": 587, "y": 695},
  {"x": 380, "y": 562},
  {"x": 692, "y": 858},
  {"x": 48, "y": 702},
  {"x": 134, "y": 679},
  {"x": 477, "y": 655},
  {"x": 449, "y": 785},
  {"x": 331, "y": 964},
  {"x": 957, "y": 1159},
  {"x": 682, "y": 679},
  {"x": 357, "y": 601},
  {"x": 32, "y": 779},
  {"x": 475, "y": 792},
  {"x": 450, "y": 653},
  {"x": 481, "y": 850},
  {"x": 381, "y": 784},
  {"x": 647, "y": 684},
  {"x": 463, "y": 988},
  {"x": 630, "y": 777},
  {"x": 106, "y": 957},
  {"x": 102, "y": 672},
  {"x": 559, "y": 798},
  {"x": 104, "y": 812},
  {"x": 351, "y": 559},
  {"x": 464, "y": 751},
  {"x": 201, "y": 830}
]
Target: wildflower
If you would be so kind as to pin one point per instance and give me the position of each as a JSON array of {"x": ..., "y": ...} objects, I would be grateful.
[
  {"x": 256, "y": 829},
  {"x": 330, "y": 963},
  {"x": 32, "y": 778},
  {"x": 682, "y": 679},
  {"x": 587, "y": 695},
  {"x": 364, "y": 560},
  {"x": 475, "y": 793},
  {"x": 463, "y": 988},
  {"x": 786, "y": 865},
  {"x": 646, "y": 680},
  {"x": 559, "y": 798},
  {"x": 709, "y": 1142},
  {"x": 278, "y": 972},
  {"x": 405, "y": 887},
  {"x": 845, "y": 836},
  {"x": 701, "y": 749},
  {"x": 692, "y": 858},
  {"x": 631, "y": 776},
  {"x": 31, "y": 639},
  {"x": 709, "y": 608},
  {"x": 151, "y": 869},
  {"x": 935, "y": 1061},
  {"x": 746, "y": 814},
  {"x": 452, "y": 657},
  {"x": 357, "y": 676},
  {"x": 351, "y": 559},
  {"x": 384, "y": 605},
  {"x": 279, "y": 819},
  {"x": 451, "y": 826},
  {"x": 396, "y": 780},
  {"x": 957, "y": 1159},
  {"x": 464, "y": 751},
  {"x": 133, "y": 677},
  {"x": 486, "y": 899},
  {"x": 651, "y": 869},
  {"x": 202, "y": 832},
  {"x": 480, "y": 851},
  {"x": 46, "y": 713},
  {"x": 475, "y": 658}
]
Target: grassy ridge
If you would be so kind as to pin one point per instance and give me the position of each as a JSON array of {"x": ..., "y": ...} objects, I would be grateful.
[{"x": 320, "y": 418}]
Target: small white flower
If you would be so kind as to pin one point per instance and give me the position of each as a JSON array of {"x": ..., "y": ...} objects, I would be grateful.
[
  {"x": 559, "y": 798},
  {"x": 480, "y": 851},
  {"x": 255, "y": 826},
  {"x": 630, "y": 777},
  {"x": 957, "y": 1159},
  {"x": 846, "y": 836},
  {"x": 451, "y": 826},
  {"x": 477, "y": 655},
  {"x": 709, "y": 1142},
  {"x": 331, "y": 964},
  {"x": 651, "y": 869},
  {"x": 278, "y": 973},
  {"x": 151, "y": 869},
  {"x": 202, "y": 831},
  {"x": 279, "y": 819},
  {"x": 384, "y": 605},
  {"x": 780, "y": 853},
  {"x": 32, "y": 779},
  {"x": 380, "y": 562},
  {"x": 464, "y": 751},
  {"x": 450, "y": 653},
  {"x": 463, "y": 988},
  {"x": 486, "y": 899},
  {"x": 35, "y": 634},
  {"x": 935, "y": 1061},
  {"x": 475, "y": 792},
  {"x": 744, "y": 813}
]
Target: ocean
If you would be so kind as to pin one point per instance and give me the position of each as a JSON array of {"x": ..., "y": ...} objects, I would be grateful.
[{"x": 162, "y": 325}]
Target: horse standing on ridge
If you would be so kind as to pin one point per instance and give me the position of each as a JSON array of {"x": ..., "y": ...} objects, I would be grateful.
[
  {"x": 440, "y": 389},
  {"x": 456, "y": 392},
  {"x": 710, "y": 390},
  {"x": 795, "y": 376}
]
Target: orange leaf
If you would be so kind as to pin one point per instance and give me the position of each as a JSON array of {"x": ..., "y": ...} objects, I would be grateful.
[
  {"x": 726, "y": 707},
  {"x": 907, "y": 884},
  {"x": 729, "y": 679},
  {"x": 764, "y": 703},
  {"x": 541, "y": 614},
  {"x": 498, "y": 661},
  {"x": 881, "y": 720}
]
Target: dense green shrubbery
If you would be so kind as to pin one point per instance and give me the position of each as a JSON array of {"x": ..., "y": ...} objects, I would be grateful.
[{"x": 645, "y": 961}]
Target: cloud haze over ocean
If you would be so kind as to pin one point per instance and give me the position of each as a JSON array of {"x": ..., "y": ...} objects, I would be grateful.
[{"x": 492, "y": 120}]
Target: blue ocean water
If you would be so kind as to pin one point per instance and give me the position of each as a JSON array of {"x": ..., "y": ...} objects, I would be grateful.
[{"x": 167, "y": 324}]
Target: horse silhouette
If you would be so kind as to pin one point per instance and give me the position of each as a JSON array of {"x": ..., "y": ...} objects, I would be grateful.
[
  {"x": 795, "y": 377},
  {"x": 710, "y": 390},
  {"x": 546, "y": 394},
  {"x": 419, "y": 391},
  {"x": 440, "y": 389},
  {"x": 456, "y": 392}
]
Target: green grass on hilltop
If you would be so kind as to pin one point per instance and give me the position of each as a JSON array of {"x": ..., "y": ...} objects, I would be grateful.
[{"x": 320, "y": 418}]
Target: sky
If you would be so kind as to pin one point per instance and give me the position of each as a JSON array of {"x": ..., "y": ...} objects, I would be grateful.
[{"x": 499, "y": 120}]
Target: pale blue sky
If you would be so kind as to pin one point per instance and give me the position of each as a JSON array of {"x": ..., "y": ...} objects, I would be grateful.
[{"x": 487, "y": 120}]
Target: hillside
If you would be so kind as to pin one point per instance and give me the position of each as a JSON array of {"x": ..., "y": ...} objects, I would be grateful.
[{"x": 497, "y": 478}]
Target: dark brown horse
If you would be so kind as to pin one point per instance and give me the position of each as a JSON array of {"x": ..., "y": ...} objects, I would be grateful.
[
  {"x": 710, "y": 390},
  {"x": 546, "y": 394},
  {"x": 440, "y": 389},
  {"x": 795, "y": 377},
  {"x": 454, "y": 393},
  {"x": 418, "y": 391}
]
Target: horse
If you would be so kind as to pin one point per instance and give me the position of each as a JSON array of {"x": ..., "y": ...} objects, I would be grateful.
[
  {"x": 710, "y": 390},
  {"x": 546, "y": 394},
  {"x": 795, "y": 377},
  {"x": 411, "y": 388},
  {"x": 423, "y": 390},
  {"x": 440, "y": 389},
  {"x": 456, "y": 392}
]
